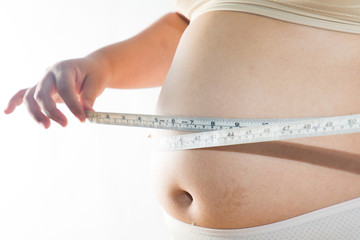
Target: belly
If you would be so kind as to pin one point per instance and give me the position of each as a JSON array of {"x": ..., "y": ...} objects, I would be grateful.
[{"x": 240, "y": 65}]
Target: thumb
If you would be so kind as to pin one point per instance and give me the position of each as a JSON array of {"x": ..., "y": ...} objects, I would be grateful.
[
  {"x": 87, "y": 106},
  {"x": 91, "y": 89}
]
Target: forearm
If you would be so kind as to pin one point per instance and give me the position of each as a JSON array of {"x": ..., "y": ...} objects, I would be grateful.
[{"x": 143, "y": 60}]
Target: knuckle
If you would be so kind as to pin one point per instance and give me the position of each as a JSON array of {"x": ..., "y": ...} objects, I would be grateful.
[
  {"x": 59, "y": 66},
  {"x": 32, "y": 105},
  {"x": 39, "y": 96},
  {"x": 63, "y": 66},
  {"x": 49, "y": 112},
  {"x": 21, "y": 92},
  {"x": 18, "y": 97},
  {"x": 61, "y": 86},
  {"x": 63, "y": 90},
  {"x": 44, "y": 102},
  {"x": 28, "y": 96}
]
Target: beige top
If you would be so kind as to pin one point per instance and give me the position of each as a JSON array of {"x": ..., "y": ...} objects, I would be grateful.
[{"x": 339, "y": 15}]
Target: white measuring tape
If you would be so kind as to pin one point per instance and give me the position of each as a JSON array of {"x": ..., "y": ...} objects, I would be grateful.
[{"x": 213, "y": 132}]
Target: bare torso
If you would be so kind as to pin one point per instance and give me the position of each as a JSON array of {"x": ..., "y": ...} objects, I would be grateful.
[{"x": 231, "y": 64}]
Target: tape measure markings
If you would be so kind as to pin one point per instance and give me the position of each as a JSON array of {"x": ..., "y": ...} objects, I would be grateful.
[
  {"x": 179, "y": 123},
  {"x": 224, "y": 131}
]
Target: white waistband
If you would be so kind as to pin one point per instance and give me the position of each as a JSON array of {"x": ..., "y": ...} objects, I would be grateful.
[
  {"x": 273, "y": 10},
  {"x": 340, "y": 221}
]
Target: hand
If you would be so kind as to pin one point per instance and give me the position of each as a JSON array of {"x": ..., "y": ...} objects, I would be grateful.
[{"x": 75, "y": 82}]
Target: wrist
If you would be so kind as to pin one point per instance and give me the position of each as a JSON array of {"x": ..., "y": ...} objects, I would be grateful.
[{"x": 102, "y": 64}]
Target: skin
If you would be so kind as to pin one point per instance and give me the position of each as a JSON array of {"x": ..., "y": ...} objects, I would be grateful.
[
  {"x": 77, "y": 82},
  {"x": 229, "y": 64}
]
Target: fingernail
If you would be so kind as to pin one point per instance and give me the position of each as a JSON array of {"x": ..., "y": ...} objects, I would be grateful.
[
  {"x": 82, "y": 117},
  {"x": 7, "y": 110},
  {"x": 63, "y": 123}
]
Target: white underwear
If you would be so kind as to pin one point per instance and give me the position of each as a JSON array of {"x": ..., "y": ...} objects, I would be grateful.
[
  {"x": 340, "y": 15},
  {"x": 337, "y": 222}
]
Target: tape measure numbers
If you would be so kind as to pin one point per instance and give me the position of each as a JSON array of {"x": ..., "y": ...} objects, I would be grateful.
[{"x": 212, "y": 132}]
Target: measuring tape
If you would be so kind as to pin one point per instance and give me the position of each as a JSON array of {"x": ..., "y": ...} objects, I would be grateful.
[{"x": 214, "y": 132}]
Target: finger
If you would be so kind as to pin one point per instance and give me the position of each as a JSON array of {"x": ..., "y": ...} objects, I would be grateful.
[
  {"x": 15, "y": 101},
  {"x": 34, "y": 108},
  {"x": 88, "y": 107},
  {"x": 90, "y": 89},
  {"x": 43, "y": 96},
  {"x": 65, "y": 84}
]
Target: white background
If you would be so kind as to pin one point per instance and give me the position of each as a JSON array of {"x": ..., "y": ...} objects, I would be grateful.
[{"x": 85, "y": 181}]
